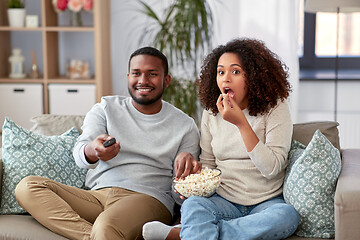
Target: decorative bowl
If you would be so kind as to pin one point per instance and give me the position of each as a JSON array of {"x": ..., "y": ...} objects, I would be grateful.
[{"x": 202, "y": 184}]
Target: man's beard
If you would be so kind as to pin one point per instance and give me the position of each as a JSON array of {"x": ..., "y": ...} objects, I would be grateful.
[{"x": 146, "y": 101}]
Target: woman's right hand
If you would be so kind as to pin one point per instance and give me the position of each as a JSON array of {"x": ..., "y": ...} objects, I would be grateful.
[{"x": 229, "y": 110}]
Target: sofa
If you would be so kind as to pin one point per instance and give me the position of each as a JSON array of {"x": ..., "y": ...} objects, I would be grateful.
[{"x": 346, "y": 196}]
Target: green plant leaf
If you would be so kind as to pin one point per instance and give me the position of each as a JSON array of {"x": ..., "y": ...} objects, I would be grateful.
[
  {"x": 183, "y": 32},
  {"x": 16, "y": 4}
]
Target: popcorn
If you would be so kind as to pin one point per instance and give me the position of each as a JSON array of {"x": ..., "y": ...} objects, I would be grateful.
[{"x": 202, "y": 184}]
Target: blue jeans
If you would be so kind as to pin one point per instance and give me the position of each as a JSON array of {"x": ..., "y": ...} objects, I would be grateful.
[{"x": 217, "y": 218}]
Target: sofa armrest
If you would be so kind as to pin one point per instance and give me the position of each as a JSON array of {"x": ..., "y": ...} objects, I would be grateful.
[
  {"x": 347, "y": 197},
  {"x": 1, "y": 170}
]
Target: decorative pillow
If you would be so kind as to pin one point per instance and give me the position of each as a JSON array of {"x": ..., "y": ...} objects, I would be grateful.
[
  {"x": 26, "y": 153},
  {"x": 310, "y": 183},
  {"x": 50, "y": 124}
]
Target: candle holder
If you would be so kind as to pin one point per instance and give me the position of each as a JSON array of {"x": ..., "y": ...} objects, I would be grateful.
[{"x": 17, "y": 60}]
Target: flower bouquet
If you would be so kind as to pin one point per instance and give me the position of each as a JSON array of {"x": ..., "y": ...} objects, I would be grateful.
[{"x": 75, "y": 7}]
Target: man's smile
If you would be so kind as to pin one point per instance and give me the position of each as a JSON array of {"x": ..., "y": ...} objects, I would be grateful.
[{"x": 144, "y": 89}]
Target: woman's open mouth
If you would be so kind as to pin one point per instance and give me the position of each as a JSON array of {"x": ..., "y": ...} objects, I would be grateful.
[{"x": 229, "y": 91}]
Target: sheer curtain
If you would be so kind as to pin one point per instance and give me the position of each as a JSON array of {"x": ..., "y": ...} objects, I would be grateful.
[{"x": 276, "y": 22}]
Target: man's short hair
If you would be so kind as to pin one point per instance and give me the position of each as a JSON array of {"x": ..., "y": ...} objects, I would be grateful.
[{"x": 152, "y": 52}]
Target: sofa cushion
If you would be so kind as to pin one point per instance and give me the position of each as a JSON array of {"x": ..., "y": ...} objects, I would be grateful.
[
  {"x": 23, "y": 227},
  {"x": 310, "y": 183},
  {"x": 50, "y": 124},
  {"x": 303, "y": 132},
  {"x": 26, "y": 153}
]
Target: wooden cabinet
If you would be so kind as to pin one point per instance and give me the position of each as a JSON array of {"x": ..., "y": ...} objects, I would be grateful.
[{"x": 48, "y": 36}]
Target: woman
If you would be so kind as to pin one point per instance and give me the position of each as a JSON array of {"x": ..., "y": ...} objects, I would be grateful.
[{"x": 246, "y": 132}]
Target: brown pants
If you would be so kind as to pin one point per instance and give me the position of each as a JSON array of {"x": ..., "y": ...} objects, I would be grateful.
[{"x": 108, "y": 213}]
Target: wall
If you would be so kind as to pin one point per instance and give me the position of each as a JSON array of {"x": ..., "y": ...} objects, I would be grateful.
[{"x": 317, "y": 101}]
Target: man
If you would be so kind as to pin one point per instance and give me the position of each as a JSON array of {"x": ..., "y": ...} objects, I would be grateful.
[{"x": 129, "y": 181}]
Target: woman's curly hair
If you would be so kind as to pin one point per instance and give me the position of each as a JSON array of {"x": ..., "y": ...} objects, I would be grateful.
[{"x": 265, "y": 74}]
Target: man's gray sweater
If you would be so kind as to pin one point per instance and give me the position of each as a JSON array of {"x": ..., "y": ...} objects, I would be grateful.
[{"x": 149, "y": 145}]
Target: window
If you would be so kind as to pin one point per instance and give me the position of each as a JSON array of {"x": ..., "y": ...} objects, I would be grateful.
[
  {"x": 349, "y": 34},
  {"x": 319, "y": 49}
]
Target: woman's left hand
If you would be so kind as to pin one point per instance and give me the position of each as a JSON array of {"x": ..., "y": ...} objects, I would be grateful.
[{"x": 229, "y": 110}]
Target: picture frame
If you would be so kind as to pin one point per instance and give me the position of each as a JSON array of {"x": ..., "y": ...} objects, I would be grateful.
[{"x": 31, "y": 21}]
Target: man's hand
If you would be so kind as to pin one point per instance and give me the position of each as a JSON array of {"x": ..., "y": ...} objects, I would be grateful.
[
  {"x": 95, "y": 150},
  {"x": 185, "y": 164}
]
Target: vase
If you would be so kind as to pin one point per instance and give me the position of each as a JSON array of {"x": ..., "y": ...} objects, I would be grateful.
[
  {"x": 75, "y": 19},
  {"x": 16, "y": 17}
]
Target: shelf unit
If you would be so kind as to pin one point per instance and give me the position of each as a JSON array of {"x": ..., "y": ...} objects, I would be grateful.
[{"x": 50, "y": 32}]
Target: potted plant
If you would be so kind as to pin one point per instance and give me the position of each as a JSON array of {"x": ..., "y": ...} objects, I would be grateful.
[
  {"x": 183, "y": 32},
  {"x": 16, "y": 13}
]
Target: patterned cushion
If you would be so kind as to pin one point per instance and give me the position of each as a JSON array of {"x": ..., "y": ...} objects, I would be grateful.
[
  {"x": 310, "y": 183},
  {"x": 26, "y": 153}
]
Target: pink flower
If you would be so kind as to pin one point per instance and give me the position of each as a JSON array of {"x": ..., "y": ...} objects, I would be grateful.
[
  {"x": 88, "y": 5},
  {"x": 60, "y": 5},
  {"x": 75, "y": 5}
]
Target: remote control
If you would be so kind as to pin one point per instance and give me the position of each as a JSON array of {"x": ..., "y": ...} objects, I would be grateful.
[{"x": 109, "y": 142}]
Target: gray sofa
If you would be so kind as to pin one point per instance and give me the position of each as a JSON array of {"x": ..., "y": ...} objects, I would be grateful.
[{"x": 347, "y": 194}]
